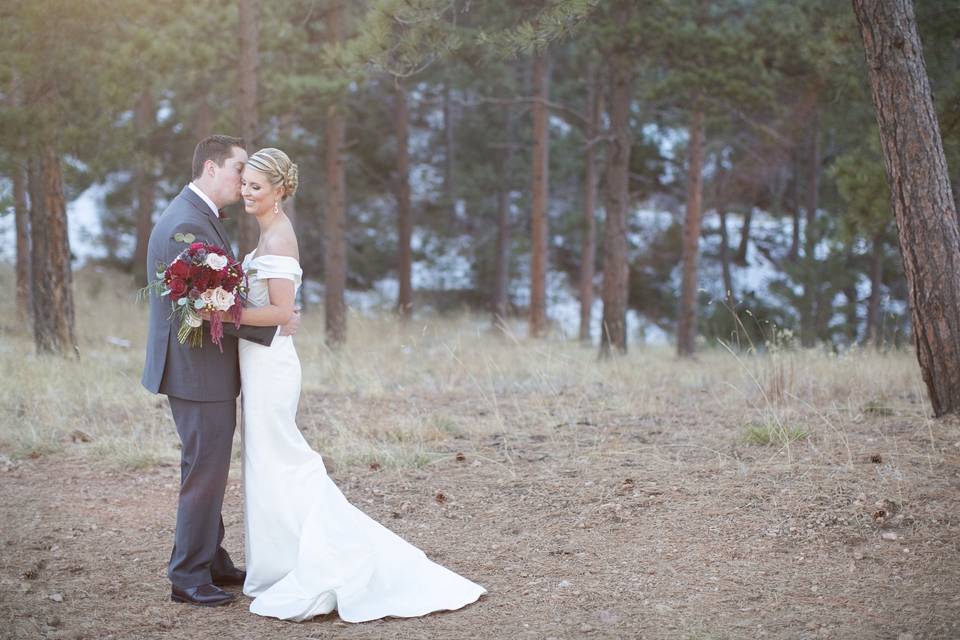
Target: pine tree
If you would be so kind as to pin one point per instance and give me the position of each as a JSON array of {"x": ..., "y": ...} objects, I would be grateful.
[
  {"x": 335, "y": 253},
  {"x": 920, "y": 192}
]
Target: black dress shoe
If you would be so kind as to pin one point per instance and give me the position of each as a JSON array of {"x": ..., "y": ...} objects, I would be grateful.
[
  {"x": 233, "y": 576},
  {"x": 206, "y": 595}
]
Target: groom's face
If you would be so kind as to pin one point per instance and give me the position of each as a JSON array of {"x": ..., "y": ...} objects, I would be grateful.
[{"x": 226, "y": 179}]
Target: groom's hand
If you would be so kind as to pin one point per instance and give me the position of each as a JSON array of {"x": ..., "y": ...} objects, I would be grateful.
[{"x": 290, "y": 329}]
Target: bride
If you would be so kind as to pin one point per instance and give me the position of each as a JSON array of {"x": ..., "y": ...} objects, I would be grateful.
[{"x": 308, "y": 550}]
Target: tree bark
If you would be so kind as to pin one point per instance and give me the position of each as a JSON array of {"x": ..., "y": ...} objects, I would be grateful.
[
  {"x": 872, "y": 332},
  {"x": 795, "y": 236},
  {"x": 687, "y": 324},
  {"x": 853, "y": 320},
  {"x": 202, "y": 121},
  {"x": 144, "y": 119},
  {"x": 21, "y": 215},
  {"x": 53, "y": 311},
  {"x": 449, "y": 192},
  {"x": 502, "y": 266},
  {"x": 920, "y": 191},
  {"x": 42, "y": 331},
  {"x": 401, "y": 123},
  {"x": 813, "y": 185},
  {"x": 22, "y": 223},
  {"x": 334, "y": 226},
  {"x": 810, "y": 308},
  {"x": 249, "y": 44},
  {"x": 741, "y": 256},
  {"x": 588, "y": 249},
  {"x": 728, "y": 293},
  {"x": 613, "y": 331},
  {"x": 538, "y": 218}
]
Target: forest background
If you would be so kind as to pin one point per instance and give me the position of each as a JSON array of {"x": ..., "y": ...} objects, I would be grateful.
[{"x": 472, "y": 155}]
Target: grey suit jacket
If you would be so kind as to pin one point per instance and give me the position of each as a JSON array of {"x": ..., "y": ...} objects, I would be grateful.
[{"x": 192, "y": 373}]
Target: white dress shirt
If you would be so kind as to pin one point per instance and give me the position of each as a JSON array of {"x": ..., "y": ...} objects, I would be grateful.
[{"x": 205, "y": 198}]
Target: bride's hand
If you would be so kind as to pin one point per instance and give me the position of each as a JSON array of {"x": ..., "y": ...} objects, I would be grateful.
[{"x": 291, "y": 328}]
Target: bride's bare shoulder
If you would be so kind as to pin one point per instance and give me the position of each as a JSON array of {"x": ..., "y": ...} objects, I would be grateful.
[{"x": 282, "y": 242}]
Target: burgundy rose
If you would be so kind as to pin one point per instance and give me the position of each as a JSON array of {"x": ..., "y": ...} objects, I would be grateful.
[
  {"x": 177, "y": 289},
  {"x": 202, "y": 280},
  {"x": 179, "y": 269}
]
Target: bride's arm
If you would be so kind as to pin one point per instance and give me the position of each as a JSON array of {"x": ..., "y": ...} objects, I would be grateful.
[
  {"x": 282, "y": 291},
  {"x": 280, "y": 309}
]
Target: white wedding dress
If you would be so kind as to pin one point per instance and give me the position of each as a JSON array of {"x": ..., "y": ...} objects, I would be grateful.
[{"x": 308, "y": 550}]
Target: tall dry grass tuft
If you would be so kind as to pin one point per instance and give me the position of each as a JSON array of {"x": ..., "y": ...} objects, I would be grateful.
[
  {"x": 403, "y": 395},
  {"x": 49, "y": 402}
]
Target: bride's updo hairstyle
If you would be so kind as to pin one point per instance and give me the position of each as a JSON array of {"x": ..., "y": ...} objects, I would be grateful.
[{"x": 276, "y": 165}]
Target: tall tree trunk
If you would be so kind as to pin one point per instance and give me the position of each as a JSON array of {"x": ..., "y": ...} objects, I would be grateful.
[
  {"x": 538, "y": 218},
  {"x": 921, "y": 196},
  {"x": 401, "y": 123},
  {"x": 202, "y": 119},
  {"x": 741, "y": 256},
  {"x": 795, "y": 237},
  {"x": 687, "y": 324},
  {"x": 249, "y": 44},
  {"x": 813, "y": 184},
  {"x": 22, "y": 222},
  {"x": 39, "y": 249},
  {"x": 53, "y": 311},
  {"x": 21, "y": 216},
  {"x": 334, "y": 226},
  {"x": 728, "y": 292},
  {"x": 588, "y": 250},
  {"x": 872, "y": 332},
  {"x": 853, "y": 302},
  {"x": 613, "y": 331},
  {"x": 449, "y": 192},
  {"x": 853, "y": 319},
  {"x": 810, "y": 311},
  {"x": 502, "y": 266},
  {"x": 823, "y": 307},
  {"x": 144, "y": 120}
]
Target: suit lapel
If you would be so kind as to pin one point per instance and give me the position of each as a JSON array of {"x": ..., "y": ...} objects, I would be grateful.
[{"x": 214, "y": 219}]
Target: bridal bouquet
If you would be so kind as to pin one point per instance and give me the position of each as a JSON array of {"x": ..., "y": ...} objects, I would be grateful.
[{"x": 202, "y": 278}]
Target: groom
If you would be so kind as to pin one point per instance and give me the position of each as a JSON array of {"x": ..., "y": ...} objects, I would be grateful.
[{"x": 201, "y": 383}]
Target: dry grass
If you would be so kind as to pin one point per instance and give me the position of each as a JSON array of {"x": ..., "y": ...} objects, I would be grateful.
[{"x": 396, "y": 392}]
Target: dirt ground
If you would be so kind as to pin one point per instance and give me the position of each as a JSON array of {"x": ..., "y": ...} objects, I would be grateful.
[{"x": 628, "y": 527}]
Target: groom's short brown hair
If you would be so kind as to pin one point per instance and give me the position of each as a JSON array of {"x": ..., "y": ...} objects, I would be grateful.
[{"x": 217, "y": 148}]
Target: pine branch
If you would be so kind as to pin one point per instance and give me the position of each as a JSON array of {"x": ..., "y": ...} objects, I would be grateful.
[
  {"x": 570, "y": 115},
  {"x": 405, "y": 37}
]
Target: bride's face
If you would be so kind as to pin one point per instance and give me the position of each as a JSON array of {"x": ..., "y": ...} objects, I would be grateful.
[{"x": 258, "y": 194}]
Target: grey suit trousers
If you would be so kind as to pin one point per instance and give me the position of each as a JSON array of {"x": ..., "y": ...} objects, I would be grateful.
[{"x": 206, "y": 437}]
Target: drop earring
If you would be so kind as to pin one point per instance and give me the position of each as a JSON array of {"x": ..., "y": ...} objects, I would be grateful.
[{"x": 276, "y": 207}]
